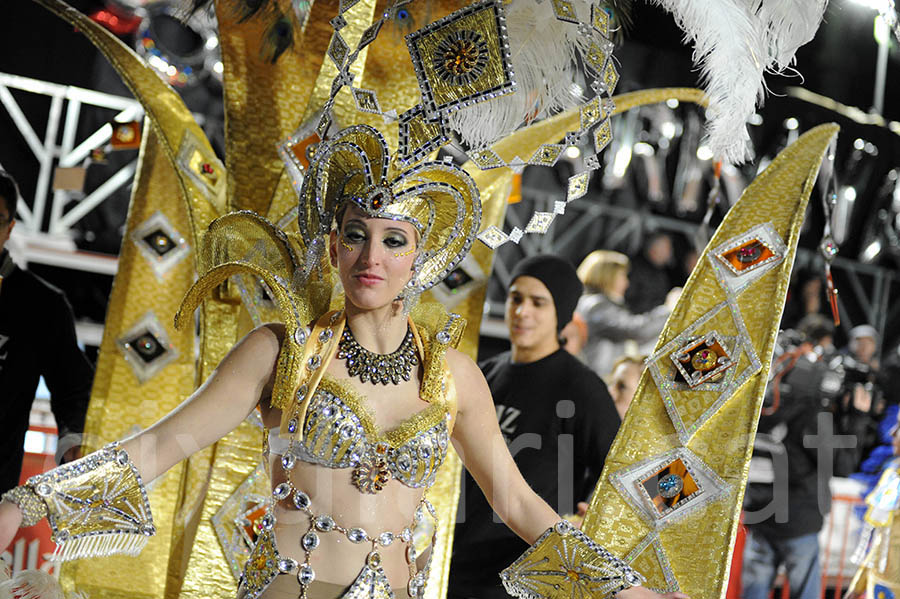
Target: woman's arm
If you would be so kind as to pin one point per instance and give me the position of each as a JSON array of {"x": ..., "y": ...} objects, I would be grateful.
[
  {"x": 211, "y": 412},
  {"x": 477, "y": 439},
  {"x": 216, "y": 408}
]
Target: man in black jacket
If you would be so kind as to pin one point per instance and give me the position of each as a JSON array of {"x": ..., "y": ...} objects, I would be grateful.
[
  {"x": 37, "y": 338},
  {"x": 556, "y": 414}
]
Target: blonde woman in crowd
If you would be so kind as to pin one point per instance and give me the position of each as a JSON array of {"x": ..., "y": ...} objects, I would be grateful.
[{"x": 611, "y": 325}]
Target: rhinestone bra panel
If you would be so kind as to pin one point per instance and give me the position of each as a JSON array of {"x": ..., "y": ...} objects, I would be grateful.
[{"x": 336, "y": 435}]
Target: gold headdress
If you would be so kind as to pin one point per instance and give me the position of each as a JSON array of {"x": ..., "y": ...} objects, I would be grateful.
[{"x": 439, "y": 199}]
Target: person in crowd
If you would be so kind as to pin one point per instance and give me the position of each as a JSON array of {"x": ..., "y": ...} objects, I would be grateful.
[
  {"x": 863, "y": 345},
  {"x": 806, "y": 296},
  {"x": 611, "y": 325},
  {"x": 793, "y": 461},
  {"x": 623, "y": 381},
  {"x": 651, "y": 276},
  {"x": 554, "y": 412},
  {"x": 37, "y": 338},
  {"x": 574, "y": 335}
]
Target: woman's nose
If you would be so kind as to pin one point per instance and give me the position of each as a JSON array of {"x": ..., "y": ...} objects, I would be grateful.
[{"x": 371, "y": 252}]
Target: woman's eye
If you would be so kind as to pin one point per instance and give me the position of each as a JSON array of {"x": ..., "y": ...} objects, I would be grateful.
[
  {"x": 354, "y": 236},
  {"x": 395, "y": 242}
]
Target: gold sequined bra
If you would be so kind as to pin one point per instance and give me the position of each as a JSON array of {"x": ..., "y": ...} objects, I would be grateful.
[
  {"x": 339, "y": 432},
  {"x": 330, "y": 425}
]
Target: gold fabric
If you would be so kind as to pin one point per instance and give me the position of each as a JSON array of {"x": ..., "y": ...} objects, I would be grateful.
[
  {"x": 880, "y": 562},
  {"x": 120, "y": 404},
  {"x": 699, "y": 546}
]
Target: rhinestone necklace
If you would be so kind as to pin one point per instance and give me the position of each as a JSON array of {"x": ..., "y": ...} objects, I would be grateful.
[{"x": 378, "y": 368}]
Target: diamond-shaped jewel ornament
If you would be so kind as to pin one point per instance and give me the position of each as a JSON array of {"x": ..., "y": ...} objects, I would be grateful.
[
  {"x": 650, "y": 559},
  {"x": 578, "y": 186},
  {"x": 201, "y": 165},
  {"x": 547, "y": 155},
  {"x": 564, "y": 10},
  {"x": 702, "y": 359},
  {"x": 596, "y": 56},
  {"x": 745, "y": 258},
  {"x": 160, "y": 243},
  {"x": 324, "y": 124},
  {"x": 668, "y": 486},
  {"x": 610, "y": 77},
  {"x": 370, "y": 34},
  {"x": 463, "y": 58},
  {"x": 602, "y": 136},
  {"x": 591, "y": 113},
  {"x": 486, "y": 158},
  {"x": 346, "y": 5},
  {"x": 294, "y": 151},
  {"x": 493, "y": 237},
  {"x": 690, "y": 407},
  {"x": 600, "y": 20},
  {"x": 231, "y": 518},
  {"x": 539, "y": 222},
  {"x": 338, "y": 49},
  {"x": 366, "y": 100},
  {"x": 419, "y": 136},
  {"x": 146, "y": 347}
]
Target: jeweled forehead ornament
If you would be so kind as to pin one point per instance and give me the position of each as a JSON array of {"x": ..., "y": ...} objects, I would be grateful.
[{"x": 440, "y": 200}]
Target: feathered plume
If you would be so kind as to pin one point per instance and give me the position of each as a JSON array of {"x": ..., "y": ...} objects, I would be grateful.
[
  {"x": 735, "y": 43},
  {"x": 543, "y": 51},
  {"x": 33, "y": 584}
]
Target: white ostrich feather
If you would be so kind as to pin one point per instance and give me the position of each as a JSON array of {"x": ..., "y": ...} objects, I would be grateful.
[
  {"x": 31, "y": 584},
  {"x": 788, "y": 25},
  {"x": 543, "y": 51},
  {"x": 735, "y": 43}
]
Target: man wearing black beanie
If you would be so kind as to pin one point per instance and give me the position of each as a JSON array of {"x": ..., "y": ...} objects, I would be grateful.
[{"x": 555, "y": 413}]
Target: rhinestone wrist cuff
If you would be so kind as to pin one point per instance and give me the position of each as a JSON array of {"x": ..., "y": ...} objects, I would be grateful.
[
  {"x": 96, "y": 506},
  {"x": 564, "y": 562},
  {"x": 33, "y": 507}
]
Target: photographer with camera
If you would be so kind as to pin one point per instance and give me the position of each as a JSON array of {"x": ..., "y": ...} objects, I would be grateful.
[{"x": 794, "y": 458}]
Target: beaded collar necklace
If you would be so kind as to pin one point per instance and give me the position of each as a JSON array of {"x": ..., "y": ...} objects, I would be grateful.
[{"x": 379, "y": 368}]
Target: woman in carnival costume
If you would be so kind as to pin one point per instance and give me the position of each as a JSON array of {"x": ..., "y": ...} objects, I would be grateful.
[{"x": 360, "y": 406}]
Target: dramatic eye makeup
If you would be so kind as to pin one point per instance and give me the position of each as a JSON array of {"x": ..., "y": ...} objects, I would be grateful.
[{"x": 395, "y": 241}]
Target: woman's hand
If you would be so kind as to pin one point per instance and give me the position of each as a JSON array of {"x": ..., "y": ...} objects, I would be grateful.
[
  {"x": 10, "y": 519},
  {"x": 644, "y": 593}
]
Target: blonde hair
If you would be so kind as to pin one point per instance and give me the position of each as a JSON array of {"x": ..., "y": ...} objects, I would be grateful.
[{"x": 599, "y": 269}]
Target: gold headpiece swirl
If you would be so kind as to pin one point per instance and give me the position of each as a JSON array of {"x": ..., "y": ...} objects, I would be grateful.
[{"x": 439, "y": 199}]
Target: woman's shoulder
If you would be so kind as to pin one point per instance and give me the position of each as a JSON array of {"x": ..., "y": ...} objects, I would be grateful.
[
  {"x": 465, "y": 372},
  {"x": 263, "y": 343}
]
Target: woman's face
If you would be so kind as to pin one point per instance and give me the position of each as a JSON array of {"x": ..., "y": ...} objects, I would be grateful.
[
  {"x": 374, "y": 258},
  {"x": 620, "y": 284}
]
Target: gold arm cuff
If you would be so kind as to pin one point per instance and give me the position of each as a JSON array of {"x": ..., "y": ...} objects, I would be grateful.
[
  {"x": 96, "y": 506},
  {"x": 33, "y": 507},
  {"x": 563, "y": 563}
]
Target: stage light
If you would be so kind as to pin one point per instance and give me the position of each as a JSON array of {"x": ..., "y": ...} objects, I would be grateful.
[
  {"x": 667, "y": 129},
  {"x": 871, "y": 252}
]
